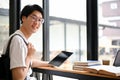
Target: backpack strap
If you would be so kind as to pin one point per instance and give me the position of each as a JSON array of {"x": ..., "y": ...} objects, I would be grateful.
[
  {"x": 8, "y": 46},
  {"x": 5, "y": 61}
]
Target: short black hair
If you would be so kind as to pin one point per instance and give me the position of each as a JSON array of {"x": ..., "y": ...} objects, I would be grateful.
[{"x": 28, "y": 9}]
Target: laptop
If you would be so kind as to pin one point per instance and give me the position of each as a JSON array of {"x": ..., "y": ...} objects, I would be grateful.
[
  {"x": 60, "y": 58},
  {"x": 117, "y": 59}
]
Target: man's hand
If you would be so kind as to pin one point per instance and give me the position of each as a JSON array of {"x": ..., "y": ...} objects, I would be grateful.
[{"x": 31, "y": 50}]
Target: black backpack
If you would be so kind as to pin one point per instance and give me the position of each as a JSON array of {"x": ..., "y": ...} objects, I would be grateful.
[{"x": 5, "y": 72}]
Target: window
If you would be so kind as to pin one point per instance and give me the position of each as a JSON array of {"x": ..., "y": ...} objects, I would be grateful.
[
  {"x": 68, "y": 29},
  {"x": 116, "y": 42},
  {"x": 4, "y": 23},
  {"x": 109, "y": 19},
  {"x": 113, "y": 6}
]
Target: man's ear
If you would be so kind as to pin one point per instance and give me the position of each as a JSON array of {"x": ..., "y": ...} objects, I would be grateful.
[{"x": 23, "y": 18}]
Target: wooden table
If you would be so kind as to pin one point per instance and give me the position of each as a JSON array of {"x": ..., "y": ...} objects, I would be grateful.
[{"x": 80, "y": 75}]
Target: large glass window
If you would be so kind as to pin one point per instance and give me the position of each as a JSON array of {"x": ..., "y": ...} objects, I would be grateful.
[
  {"x": 69, "y": 36},
  {"x": 109, "y": 28},
  {"x": 4, "y": 23},
  {"x": 68, "y": 29}
]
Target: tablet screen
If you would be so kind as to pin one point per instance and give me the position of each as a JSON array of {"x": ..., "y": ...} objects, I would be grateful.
[{"x": 60, "y": 58}]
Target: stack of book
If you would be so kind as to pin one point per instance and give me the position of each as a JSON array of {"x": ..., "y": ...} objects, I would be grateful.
[{"x": 79, "y": 65}]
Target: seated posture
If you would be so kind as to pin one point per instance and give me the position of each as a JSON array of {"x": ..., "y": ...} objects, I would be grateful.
[{"x": 21, "y": 55}]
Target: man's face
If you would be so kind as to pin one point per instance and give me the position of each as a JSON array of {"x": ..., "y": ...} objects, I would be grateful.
[{"x": 33, "y": 21}]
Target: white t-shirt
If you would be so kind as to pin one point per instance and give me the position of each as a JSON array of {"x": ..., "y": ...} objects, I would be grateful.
[{"x": 18, "y": 52}]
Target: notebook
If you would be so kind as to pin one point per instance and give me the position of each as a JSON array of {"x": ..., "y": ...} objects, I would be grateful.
[
  {"x": 117, "y": 59},
  {"x": 60, "y": 58}
]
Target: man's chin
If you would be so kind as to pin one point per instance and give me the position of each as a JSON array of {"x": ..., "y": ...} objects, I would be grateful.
[{"x": 35, "y": 31}]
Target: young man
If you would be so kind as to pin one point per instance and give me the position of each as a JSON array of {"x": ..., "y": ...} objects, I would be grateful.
[{"x": 21, "y": 55}]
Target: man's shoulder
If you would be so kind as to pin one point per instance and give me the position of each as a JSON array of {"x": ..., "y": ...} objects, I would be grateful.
[{"x": 19, "y": 36}]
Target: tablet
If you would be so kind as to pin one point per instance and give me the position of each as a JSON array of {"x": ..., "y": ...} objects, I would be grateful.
[
  {"x": 117, "y": 59},
  {"x": 60, "y": 58}
]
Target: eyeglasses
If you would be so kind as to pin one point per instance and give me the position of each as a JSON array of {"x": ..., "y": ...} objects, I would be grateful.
[{"x": 34, "y": 18}]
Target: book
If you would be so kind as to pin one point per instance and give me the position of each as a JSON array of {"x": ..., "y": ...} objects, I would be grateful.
[
  {"x": 86, "y": 63},
  {"x": 79, "y": 65},
  {"x": 104, "y": 69}
]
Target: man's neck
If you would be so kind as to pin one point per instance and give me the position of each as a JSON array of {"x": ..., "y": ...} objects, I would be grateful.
[{"x": 26, "y": 34}]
